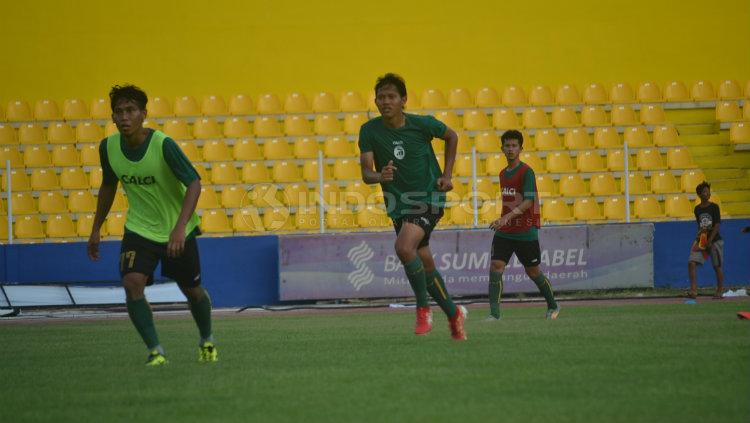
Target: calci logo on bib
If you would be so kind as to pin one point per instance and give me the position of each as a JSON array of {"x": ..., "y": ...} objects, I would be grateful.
[{"x": 398, "y": 150}]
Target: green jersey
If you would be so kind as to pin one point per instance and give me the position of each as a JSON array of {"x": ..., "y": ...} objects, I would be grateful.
[{"x": 410, "y": 148}]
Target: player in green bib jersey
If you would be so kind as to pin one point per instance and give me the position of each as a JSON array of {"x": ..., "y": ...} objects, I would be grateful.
[
  {"x": 161, "y": 226},
  {"x": 397, "y": 153}
]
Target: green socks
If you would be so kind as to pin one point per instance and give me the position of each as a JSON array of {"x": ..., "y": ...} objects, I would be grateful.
[
  {"x": 415, "y": 273},
  {"x": 143, "y": 320},
  {"x": 545, "y": 288},
  {"x": 436, "y": 288},
  {"x": 201, "y": 311},
  {"x": 496, "y": 291}
]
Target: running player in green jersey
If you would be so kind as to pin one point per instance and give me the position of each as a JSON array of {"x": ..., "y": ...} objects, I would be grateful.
[
  {"x": 163, "y": 189},
  {"x": 397, "y": 153},
  {"x": 516, "y": 231}
]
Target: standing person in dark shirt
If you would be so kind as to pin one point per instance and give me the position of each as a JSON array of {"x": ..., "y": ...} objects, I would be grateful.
[{"x": 708, "y": 242}]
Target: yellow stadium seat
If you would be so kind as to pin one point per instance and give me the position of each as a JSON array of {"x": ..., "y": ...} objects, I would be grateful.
[
  {"x": 534, "y": 161},
  {"x": 535, "y": 118},
  {"x": 357, "y": 193},
  {"x": 338, "y": 147},
  {"x": 346, "y": 169},
  {"x": 678, "y": 206},
  {"x": 159, "y": 107},
  {"x": 28, "y": 227},
  {"x": 295, "y": 195},
  {"x": 2, "y": 114},
  {"x": 35, "y": 156},
  {"x": 547, "y": 139},
  {"x": 487, "y": 142},
  {"x": 652, "y": 114},
  {"x": 120, "y": 203},
  {"x": 247, "y": 220},
  {"x": 623, "y": 115},
  {"x": 614, "y": 208},
  {"x": 65, "y": 155},
  {"x": 215, "y": 221},
  {"x": 514, "y": 96},
  {"x": 206, "y": 128},
  {"x": 297, "y": 125},
  {"x": 44, "y": 180},
  {"x": 352, "y": 101},
  {"x": 296, "y": 102},
  {"x": 240, "y": 104},
  {"x": 438, "y": 145},
  {"x": 564, "y": 117},
  {"x": 110, "y": 129},
  {"x": 177, "y": 129},
  {"x": 332, "y": 194},
  {"x": 101, "y": 109},
  {"x": 649, "y": 92},
  {"x": 372, "y": 216},
  {"x": 326, "y": 124},
  {"x": 234, "y": 197},
  {"x": 560, "y": 162},
  {"x": 616, "y": 161},
  {"x": 556, "y": 210},
  {"x": 486, "y": 189},
  {"x": 310, "y": 171},
  {"x": 679, "y": 158},
  {"x": 278, "y": 219},
  {"x": 275, "y": 148},
  {"x": 75, "y": 109},
  {"x": 254, "y": 172},
  {"x": 12, "y": 154},
  {"x": 666, "y": 136},
  {"x": 31, "y": 133},
  {"x": 462, "y": 214},
  {"x": 191, "y": 151},
  {"x": 637, "y": 137},
  {"x": 586, "y": 209},
  {"x": 307, "y": 218},
  {"x": 81, "y": 201},
  {"x": 487, "y": 97},
  {"x": 268, "y": 104},
  {"x": 649, "y": 159},
  {"x": 636, "y": 184},
  {"x": 306, "y": 148},
  {"x": 540, "y": 95},
  {"x": 95, "y": 177},
  {"x": 23, "y": 203},
  {"x": 494, "y": 163},
  {"x": 354, "y": 121},
  {"x": 152, "y": 124},
  {"x": 186, "y": 105},
  {"x": 208, "y": 199},
  {"x": 19, "y": 180},
  {"x": 621, "y": 93},
  {"x": 567, "y": 94},
  {"x": 85, "y": 222},
  {"x": 739, "y": 132},
  {"x": 7, "y": 135},
  {"x": 577, "y": 139},
  {"x": 590, "y": 161},
  {"x": 216, "y": 151},
  {"x": 51, "y": 202},
  {"x": 341, "y": 218},
  {"x": 263, "y": 195},
  {"x": 433, "y": 98},
  {"x": 595, "y": 94},
  {"x": 89, "y": 132},
  {"x": 607, "y": 138},
  {"x": 729, "y": 90},
  {"x": 286, "y": 171},
  {"x": 593, "y": 116},
  {"x": 702, "y": 91},
  {"x": 462, "y": 166},
  {"x": 449, "y": 118},
  {"x": 545, "y": 186},
  {"x": 714, "y": 199},
  {"x": 90, "y": 155},
  {"x": 505, "y": 119},
  {"x": 18, "y": 111},
  {"x": 213, "y": 105},
  {"x": 73, "y": 178},
  {"x": 46, "y": 109},
  {"x": 266, "y": 126},
  {"x": 728, "y": 111},
  {"x": 115, "y": 224},
  {"x": 458, "y": 193},
  {"x": 246, "y": 150},
  {"x": 663, "y": 182},
  {"x": 460, "y": 98},
  {"x": 324, "y": 102},
  {"x": 476, "y": 120},
  {"x": 647, "y": 207},
  {"x": 676, "y": 91},
  {"x": 573, "y": 186},
  {"x": 464, "y": 144},
  {"x": 224, "y": 173},
  {"x": 746, "y": 111}
]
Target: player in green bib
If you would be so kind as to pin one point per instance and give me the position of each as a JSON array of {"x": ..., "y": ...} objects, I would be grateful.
[
  {"x": 397, "y": 153},
  {"x": 161, "y": 226}
]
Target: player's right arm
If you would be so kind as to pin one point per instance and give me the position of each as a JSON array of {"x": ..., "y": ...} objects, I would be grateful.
[
  {"x": 369, "y": 175},
  {"x": 106, "y": 197}
]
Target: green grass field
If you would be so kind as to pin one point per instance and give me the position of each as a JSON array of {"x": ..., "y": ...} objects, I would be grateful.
[{"x": 597, "y": 363}]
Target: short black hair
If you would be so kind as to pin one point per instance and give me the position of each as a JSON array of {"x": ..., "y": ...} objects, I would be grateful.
[
  {"x": 391, "y": 79},
  {"x": 700, "y": 187},
  {"x": 128, "y": 92},
  {"x": 511, "y": 134}
]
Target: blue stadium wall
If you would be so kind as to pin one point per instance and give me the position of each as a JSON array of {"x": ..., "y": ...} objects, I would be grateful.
[{"x": 244, "y": 271}]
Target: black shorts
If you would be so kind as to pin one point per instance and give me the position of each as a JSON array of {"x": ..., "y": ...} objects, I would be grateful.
[
  {"x": 141, "y": 255},
  {"x": 427, "y": 220},
  {"x": 528, "y": 252}
]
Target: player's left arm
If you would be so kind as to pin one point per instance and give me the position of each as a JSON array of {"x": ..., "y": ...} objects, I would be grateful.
[
  {"x": 451, "y": 146},
  {"x": 186, "y": 173}
]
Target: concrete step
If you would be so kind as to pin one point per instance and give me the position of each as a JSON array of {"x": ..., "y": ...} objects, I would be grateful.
[
  {"x": 710, "y": 150},
  {"x": 702, "y": 140},
  {"x": 733, "y": 161},
  {"x": 730, "y": 184},
  {"x": 734, "y": 196},
  {"x": 697, "y": 128},
  {"x": 691, "y": 116},
  {"x": 736, "y": 209},
  {"x": 719, "y": 173}
]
